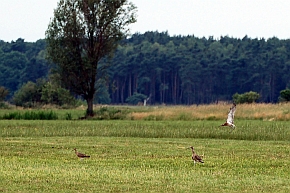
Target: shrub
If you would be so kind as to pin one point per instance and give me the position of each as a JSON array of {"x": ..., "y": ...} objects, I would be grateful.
[
  {"x": 27, "y": 95},
  {"x": 284, "y": 95},
  {"x": 43, "y": 92},
  {"x": 53, "y": 94},
  {"x": 106, "y": 113},
  {"x": 136, "y": 98},
  {"x": 4, "y": 105},
  {"x": 3, "y": 93},
  {"x": 68, "y": 116},
  {"x": 31, "y": 115},
  {"x": 248, "y": 97}
]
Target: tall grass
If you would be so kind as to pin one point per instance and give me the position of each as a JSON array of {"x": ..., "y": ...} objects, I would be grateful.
[
  {"x": 245, "y": 130},
  {"x": 258, "y": 111},
  {"x": 31, "y": 115},
  {"x": 266, "y": 112}
]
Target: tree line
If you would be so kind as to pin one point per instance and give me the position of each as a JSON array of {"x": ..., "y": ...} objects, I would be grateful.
[
  {"x": 21, "y": 62},
  {"x": 192, "y": 70},
  {"x": 169, "y": 69}
]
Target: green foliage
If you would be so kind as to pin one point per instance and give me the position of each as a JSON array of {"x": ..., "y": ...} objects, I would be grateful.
[
  {"x": 3, "y": 93},
  {"x": 4, "y": 105},
  {"x": 136, "y": 98},
  {"x": 12, "y": 69},
  {"x": 31, "y": 115},
  {"x": 110, "y": 113},
  {"x": 102, "y": 95},
  {"x": 285, "y": 95},
  {"x": 43, "y": 92},
  {"x": 28, "y": 95},
  {"x": 174, "y": 69},
  {"x": 21, "y": 62},
  {"x": 53, "y": 94},
  {"x": 248, "y": 97},
  {"x": 192, "y": 70},
  {"x": 76, "y": 60},
  {"x": 68, "y": 116}
]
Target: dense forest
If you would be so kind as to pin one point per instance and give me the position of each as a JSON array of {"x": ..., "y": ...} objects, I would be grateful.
[
  {"x": 21, "y": 62},
  {"x": 170, "y": 69},
  {"x": 191, "y": 70}
]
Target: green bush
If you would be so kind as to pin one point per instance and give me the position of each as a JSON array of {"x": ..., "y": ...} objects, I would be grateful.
[
  {"x": 136, "y": 98},
  {"x": 53, "y": 94},
  {"x": 3, "y": 93},
  {"x": 284, "y": 95},
  {"x": 68, "y": 116},
  {"x": 27, "y": 95},
  {"x": 247, "y": 97},
  {"x": 106, "y": 113},
  {"x": 31, "y": 115},
  {"x": 42, "y": 92},
  {"x": 4, "y": 105}
]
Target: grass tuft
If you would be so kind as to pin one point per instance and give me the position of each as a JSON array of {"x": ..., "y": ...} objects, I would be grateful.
[{"x": 31, "y": 115}]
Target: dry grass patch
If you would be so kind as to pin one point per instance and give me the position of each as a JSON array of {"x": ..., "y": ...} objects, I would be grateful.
[{"x": 259, "y": 111}]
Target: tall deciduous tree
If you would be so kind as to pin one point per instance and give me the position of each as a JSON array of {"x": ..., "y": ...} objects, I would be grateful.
[{"x": 81, "y": 33}]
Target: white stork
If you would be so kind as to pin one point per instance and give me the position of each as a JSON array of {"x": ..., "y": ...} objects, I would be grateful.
[{"x": 230, "y": 119}]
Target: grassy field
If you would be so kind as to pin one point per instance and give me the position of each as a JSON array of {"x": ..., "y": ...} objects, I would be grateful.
[
  {"x": 144, "y": 156},
  {"x": 147, "y": 151},
  {"x": 260, "y": 111}
]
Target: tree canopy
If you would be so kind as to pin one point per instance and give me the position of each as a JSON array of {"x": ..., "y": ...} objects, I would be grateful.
[
  {"x": 173, "y": 69},
  {"x": 192, "y": 70},
  {"x": 21, "y": 62},
  {"x": 81, "y": 33}
]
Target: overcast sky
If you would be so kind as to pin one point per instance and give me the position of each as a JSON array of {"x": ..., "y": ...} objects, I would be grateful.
[{"x": 28, "y": 19}]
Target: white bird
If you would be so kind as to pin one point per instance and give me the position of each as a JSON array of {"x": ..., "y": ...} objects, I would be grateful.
[{"x": 230, "y": 119}]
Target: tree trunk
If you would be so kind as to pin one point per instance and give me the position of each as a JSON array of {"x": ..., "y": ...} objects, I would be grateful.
[{"x": 90, "y": 109}]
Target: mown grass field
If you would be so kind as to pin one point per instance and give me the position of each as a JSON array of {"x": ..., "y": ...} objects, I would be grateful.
[{"x": 144, "y": 156}]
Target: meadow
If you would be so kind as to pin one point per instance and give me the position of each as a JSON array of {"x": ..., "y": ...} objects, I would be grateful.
[{"x": 148, "y": 154}]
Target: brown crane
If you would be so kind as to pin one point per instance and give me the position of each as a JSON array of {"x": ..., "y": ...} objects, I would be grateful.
[
  {"x": 195, "y": 157},
  {"x": 81, "y": 155}
]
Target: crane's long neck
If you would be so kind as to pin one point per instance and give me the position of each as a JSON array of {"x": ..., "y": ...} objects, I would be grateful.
[{"x": 193, "y": 152}]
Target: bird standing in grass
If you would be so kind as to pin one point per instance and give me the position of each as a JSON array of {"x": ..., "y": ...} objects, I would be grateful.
[
  {"x": 195, "y": 157},
  {"x": 230, "y": 119},
  {"x": 81, "y": 155}
]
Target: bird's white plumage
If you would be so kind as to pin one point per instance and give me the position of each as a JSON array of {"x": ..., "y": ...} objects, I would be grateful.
[
  {"x": 231, "y": 115},
  {"x": 230, "y": 120}
]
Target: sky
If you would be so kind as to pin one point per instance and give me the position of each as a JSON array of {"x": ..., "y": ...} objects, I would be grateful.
[{"x": 29, "y": 19}]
